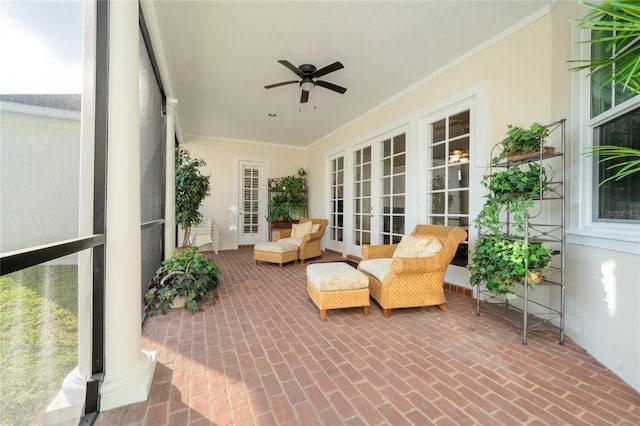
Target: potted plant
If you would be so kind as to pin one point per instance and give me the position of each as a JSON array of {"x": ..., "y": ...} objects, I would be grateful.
[
  {"x": 188, "y": 274},
  {"x": 499, "y": 262},
  {"x": 515, "y": 181},
  {"x": 278, "y": 213},
  {"x": 292, "y": 198},
  {"x": 512, "y": 191},
  {"x": 191, "y": 189},
  {"x": 522, "y": 143}
]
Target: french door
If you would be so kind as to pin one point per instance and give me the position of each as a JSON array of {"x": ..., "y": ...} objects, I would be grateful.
[
  {"x": 251, "y": 205},
  {"x": 378, "y": 191},
  {"x": 336, "y": 228}
]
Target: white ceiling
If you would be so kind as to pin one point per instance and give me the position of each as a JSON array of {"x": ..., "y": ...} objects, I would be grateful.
[{"x": 220, "y": 55}]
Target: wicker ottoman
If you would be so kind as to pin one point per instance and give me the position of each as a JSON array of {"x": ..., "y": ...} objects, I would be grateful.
[
  {"x": 336, "y": 285},
  {"x": 275, "y": 253}
]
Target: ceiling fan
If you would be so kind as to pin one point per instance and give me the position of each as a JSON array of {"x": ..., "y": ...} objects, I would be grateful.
[{"x": 308, "y": 73}]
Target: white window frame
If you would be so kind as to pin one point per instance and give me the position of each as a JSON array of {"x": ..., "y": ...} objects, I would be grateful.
[{"x": 583, "y": 230}]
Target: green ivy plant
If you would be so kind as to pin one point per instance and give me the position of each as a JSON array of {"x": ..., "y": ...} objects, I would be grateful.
[
  {"x": 192, "y": 187},
  {"x": 291, "y": 200},
  {"x": 520, "y": 139},
  {"x": 499, "y": 262},
  {"x": 278, "y": 210},
  {"x": 187, "y": 273},
  {"x": 511, "y": 191}
]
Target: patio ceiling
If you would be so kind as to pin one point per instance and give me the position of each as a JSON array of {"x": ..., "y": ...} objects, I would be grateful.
[{"x": 217, "y": 56}]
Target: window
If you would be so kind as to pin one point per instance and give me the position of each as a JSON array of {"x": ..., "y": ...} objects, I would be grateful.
[
  {"x": 614, "y": 123},
  {"x": 448, "y": 175},
  {"x": 47, "y": 192}
]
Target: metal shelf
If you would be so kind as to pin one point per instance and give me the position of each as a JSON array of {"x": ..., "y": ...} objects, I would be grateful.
[{"x": 535, "y": 315}]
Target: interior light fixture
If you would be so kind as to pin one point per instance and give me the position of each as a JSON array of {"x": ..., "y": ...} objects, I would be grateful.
[
  {"x": 458, "y": 156},
  {"x": 307, "y": 85}
]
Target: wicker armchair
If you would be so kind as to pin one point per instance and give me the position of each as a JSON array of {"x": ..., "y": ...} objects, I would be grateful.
[
  {"x": 311, "y": 243},
  {"x": 413, "y": 282}
]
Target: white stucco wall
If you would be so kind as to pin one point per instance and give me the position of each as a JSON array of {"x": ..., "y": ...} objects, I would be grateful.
[
  {"x": 39, "y": 175},
  {"x": 221, "y": 157}
]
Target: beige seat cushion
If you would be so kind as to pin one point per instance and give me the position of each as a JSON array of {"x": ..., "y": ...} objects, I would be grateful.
[
  {"x": 333, "y": 276},
  {"x": 296, "y": 241},
  {"x": 273, "y": 247},
  {"x": 378, "y": 268}
]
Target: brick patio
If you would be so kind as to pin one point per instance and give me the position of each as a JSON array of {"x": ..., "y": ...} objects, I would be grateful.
[{"x": 262, "y": 356}]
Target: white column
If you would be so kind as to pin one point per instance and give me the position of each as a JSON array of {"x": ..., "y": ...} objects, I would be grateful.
[
  {"x": 128, "y": 369},
  {"x": 170, "y": 189}
]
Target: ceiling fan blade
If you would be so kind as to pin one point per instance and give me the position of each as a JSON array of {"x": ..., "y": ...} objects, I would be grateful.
[
  {"x": 304, "y": 97},
  {"x": 331, "y": 86},
  {"x": 291, "y": 67},
  {"x": 329, "y": 68},
  {"x": 280, "y": 84}
]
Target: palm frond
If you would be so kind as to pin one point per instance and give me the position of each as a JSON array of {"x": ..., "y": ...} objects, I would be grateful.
[{"x": 613, "y": 152}]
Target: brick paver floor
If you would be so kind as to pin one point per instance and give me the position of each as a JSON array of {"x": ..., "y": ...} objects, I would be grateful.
[{"x": 261, "y": 356}]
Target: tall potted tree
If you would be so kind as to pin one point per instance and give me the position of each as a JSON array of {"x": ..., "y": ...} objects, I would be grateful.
[
  {"x": 188, "y": 276},
  {"x": 191, "y": 189}
]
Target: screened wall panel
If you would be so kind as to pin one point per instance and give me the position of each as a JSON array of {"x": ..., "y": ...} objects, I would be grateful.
[{"x": 152, "y": 166}]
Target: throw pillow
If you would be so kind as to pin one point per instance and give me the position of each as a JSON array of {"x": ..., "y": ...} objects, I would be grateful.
[
  {"x": 411, "y": 246},
  {"x": 315, "y": 228},
  {"x": 432, "y": 248},
  {"x": 299, "y": 230}
]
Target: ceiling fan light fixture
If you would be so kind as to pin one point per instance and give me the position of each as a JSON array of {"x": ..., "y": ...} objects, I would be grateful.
[{"x": 307, "y": 85}]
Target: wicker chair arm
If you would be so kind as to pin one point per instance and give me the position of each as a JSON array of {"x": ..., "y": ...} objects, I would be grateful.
[
  {"x": 378, "y": 251},
  {"x": 313, "y": 236},
  {"x": 285, "y": 233},
  {"x": 418, "y": 265}
]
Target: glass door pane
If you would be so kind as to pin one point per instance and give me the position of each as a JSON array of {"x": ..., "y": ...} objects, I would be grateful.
[
  {"x": 336, "y": 214},
  {"x": 448, "y": 182},
  {"x": 362, "y": 207},
  {"x": 392, "y": 190}
]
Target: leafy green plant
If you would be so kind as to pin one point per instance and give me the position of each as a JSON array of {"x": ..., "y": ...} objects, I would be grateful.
[
  {"x": 291, "y": 200},
  {"x": 515, "y": 181},
  {"x": 497, "y": 260},
  {"x": 500, "y": 262},
  {"x": 616, "y": 24},
  {"x": 629, "y": 164},
  {"x": 187, "y": 273},
  {"x": 191, "y": 189},
  {"x": 511, "y": 191},
  {"x": 278, "y": 210},
  {"x": 520, "y": 140}
]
